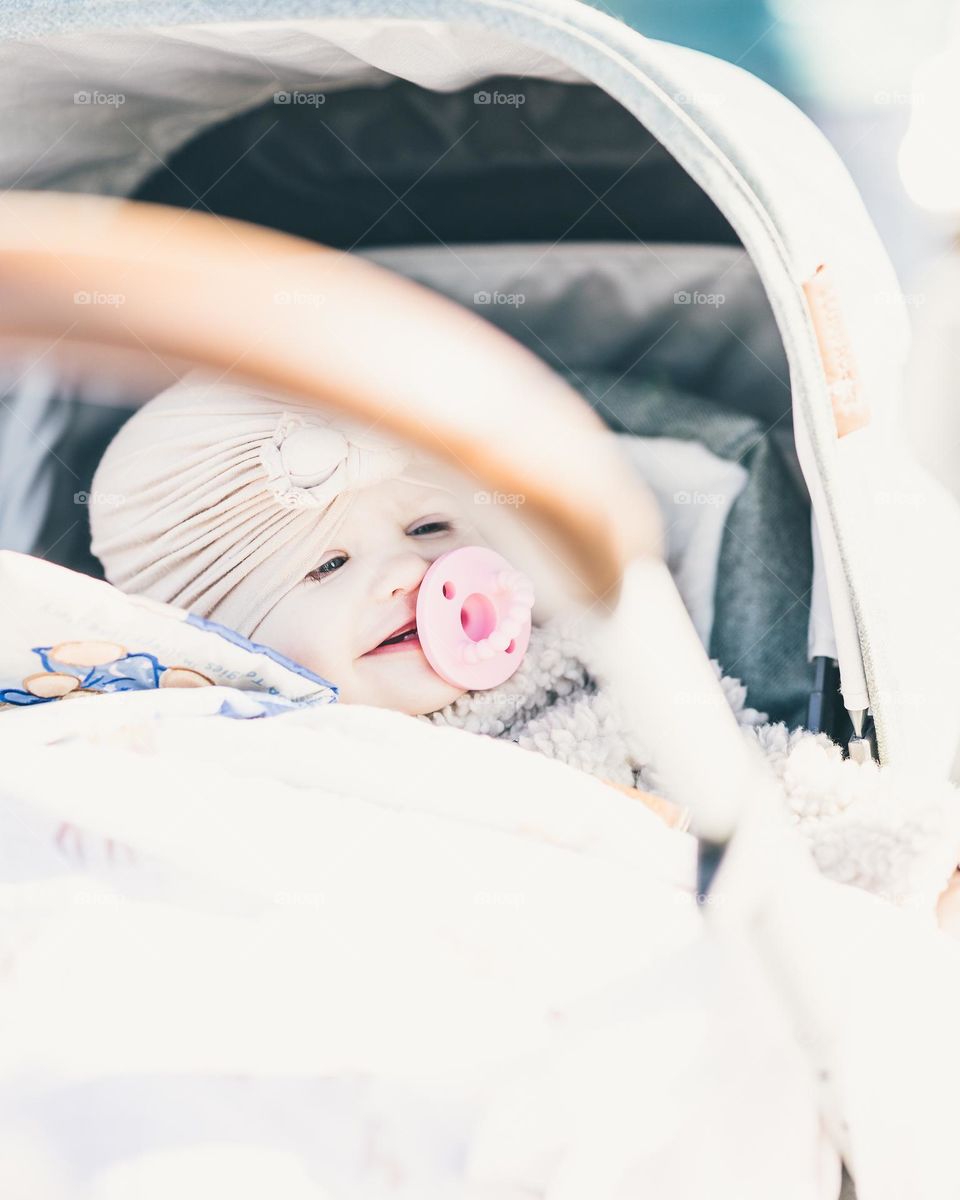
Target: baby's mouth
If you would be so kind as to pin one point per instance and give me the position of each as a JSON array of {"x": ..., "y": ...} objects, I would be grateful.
[{"x": 405, "y": 638}]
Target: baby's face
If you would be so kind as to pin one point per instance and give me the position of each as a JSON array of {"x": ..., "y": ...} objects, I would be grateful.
[{"x": 363, "y": 589}]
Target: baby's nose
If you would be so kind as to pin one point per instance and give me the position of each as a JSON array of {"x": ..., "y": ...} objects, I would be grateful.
[{"x": 405, "y": 574}]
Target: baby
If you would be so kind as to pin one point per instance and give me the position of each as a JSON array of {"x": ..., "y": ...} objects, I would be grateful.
[
  {"x": 313, "y": 538},
  {"x": 306, "y": 537}
]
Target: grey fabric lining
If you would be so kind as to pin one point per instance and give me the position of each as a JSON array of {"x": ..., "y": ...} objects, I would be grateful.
[
  {"x": 64, "y": 537},
  {"x": 766, "y": 561},
  {"x": 466, "y": 171},
  {"x": 697, "y": 313},
  {"x": 32, "y": 420}
]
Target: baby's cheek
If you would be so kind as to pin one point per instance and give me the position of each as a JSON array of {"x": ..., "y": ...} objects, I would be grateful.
[
  {"x": 294, "y": 629},
  {"x": 325, "y": 656}
]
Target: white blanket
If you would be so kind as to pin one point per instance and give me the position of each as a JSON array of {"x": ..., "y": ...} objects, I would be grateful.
[
  {"x": 329, "y": 954},
  {"x": 337, "y": 953}
]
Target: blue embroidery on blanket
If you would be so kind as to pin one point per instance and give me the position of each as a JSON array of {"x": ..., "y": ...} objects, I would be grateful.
[
  {"x": 134, "y": 672},
  {"x": 140, "y": 671}
]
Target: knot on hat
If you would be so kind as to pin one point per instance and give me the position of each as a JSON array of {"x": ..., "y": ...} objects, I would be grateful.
[{"x": 308, "y": 464}]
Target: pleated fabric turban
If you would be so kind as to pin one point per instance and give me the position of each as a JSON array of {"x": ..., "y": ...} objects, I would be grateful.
[{"x": 221, "y": 498}]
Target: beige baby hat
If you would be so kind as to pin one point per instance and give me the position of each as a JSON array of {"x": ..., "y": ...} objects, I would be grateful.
[{"x": 223, "y": 499}]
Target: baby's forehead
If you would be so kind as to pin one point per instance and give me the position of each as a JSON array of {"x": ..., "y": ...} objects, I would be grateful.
[{"x": 406, "y": 498}]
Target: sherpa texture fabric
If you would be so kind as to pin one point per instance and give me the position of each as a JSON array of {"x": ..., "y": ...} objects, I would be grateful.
[
  {"x": 876, "y": 828},
  {"x": 556, "y": 704},
  {"x": 883, "y": 829}
]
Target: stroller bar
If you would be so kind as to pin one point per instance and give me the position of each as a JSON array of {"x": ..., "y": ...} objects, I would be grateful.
[{"x": 651, "y": 653}]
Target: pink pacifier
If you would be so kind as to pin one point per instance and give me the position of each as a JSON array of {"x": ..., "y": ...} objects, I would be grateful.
[{"x": 473, "y": 617}]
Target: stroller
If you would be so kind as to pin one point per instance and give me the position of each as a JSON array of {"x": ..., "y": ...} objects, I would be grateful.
[{"x": 681, "y": 248}]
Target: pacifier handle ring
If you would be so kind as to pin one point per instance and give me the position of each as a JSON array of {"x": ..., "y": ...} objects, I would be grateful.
[{"x": 474, "y": 617}]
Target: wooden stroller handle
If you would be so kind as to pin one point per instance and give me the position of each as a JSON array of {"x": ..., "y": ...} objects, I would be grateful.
[
  {"x": 99, "y": 274},
  {"x": 297, "y": 318}
]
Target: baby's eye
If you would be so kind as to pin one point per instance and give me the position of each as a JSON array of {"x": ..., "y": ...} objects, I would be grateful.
[
  {"x": 336, "y": 562},
  {"x": 328, "y": 567},
  {"x": 431, "y": 527}
]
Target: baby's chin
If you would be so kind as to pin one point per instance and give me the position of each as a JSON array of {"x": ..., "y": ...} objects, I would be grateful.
[{"x": 405, "y": 682}]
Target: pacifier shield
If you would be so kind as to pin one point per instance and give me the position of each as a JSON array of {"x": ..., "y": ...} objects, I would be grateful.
[{"x": 473, "y": 617}]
